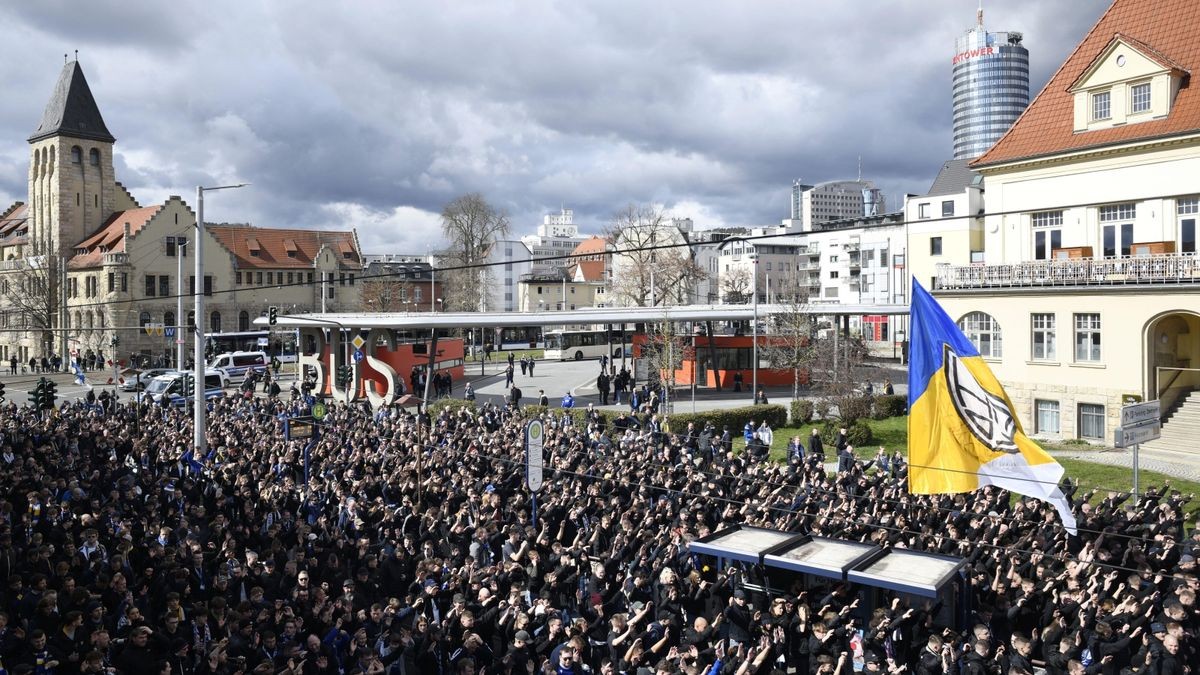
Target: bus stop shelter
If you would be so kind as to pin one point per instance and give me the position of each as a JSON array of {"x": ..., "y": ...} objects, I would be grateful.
[{"x": 775, "y": 562}]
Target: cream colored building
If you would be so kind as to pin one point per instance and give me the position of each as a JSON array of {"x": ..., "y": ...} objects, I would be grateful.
[
  {"x": 1088, "y": 291},
  {"x": 104, "y": 269},
  {"x": 585, "y": 283}
]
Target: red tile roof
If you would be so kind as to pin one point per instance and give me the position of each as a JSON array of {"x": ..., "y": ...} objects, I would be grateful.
[
  {"x": 110, "y": 238},
  {"x": 13, "y": 221},
  {"x": 1165, "y": 29},
  {"x": 593, "y": 270},
  {"x": 591, "y": 246},
  {"x": 272, "y": 246}
]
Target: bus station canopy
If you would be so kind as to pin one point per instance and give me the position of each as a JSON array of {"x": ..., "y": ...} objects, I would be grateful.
[
  {"x": 742, "y": 543},
  {"x": 922, "y": 574},
  {"x": 820, "y": 556},
  {"x": 604, "y": 315},
  {"x": 912, "y": 572}
]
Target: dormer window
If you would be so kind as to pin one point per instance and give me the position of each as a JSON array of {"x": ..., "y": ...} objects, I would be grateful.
[
  {"x": 1139, "y": 98},
  {"x": 1128, "y": 82},
  {"x": 1101, "y": 106}
]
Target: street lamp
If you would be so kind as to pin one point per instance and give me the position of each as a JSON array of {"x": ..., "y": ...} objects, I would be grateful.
[
  {"x": 754, "y": 332},
  {"x": 199, "y": 440}
]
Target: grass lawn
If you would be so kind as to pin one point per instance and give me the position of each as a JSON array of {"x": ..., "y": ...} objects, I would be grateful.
[
  {"x": 893, "y": 434},
  {"x": 890, "y": 433},
  {"x": 1103, "y": 478},
  {"x": 500, "y": 357}
]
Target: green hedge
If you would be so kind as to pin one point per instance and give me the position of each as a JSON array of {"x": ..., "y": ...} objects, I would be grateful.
[
  {"x": 801, "y": 412},
  {"x": 890, "y": 406},
  {"x": 859, "y": 434},
  {"x": 452, "y": 404},
  {"x": 735, "y": 418},
  {"x": 853, "y": 408}
]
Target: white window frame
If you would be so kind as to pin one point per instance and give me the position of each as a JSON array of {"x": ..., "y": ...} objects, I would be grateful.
[
  {"x": 1099, "y": 112},
  {"x": 1043, "y": 335},
  {"x": 1052, "y": 411},
  {"x": 984, "y": 332},
  {"x": 1087, "y": 339},
  {"x": 1097, "y": 414},
  {"x": 1136, "y": 98},
  {"x": 1188, "y": 211},
  {"x": 1049, "y": 225}
]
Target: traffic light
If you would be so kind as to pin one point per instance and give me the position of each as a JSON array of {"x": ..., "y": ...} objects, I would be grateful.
[
  {"x": 116, "y": 340},
  {"x": 35, "y": 395},
  {"x": 343, "y": 375},
  {"x": 272, "y": 315},
  {"x": 49, "y": 395},
  {"x": 189, "y": 387}
]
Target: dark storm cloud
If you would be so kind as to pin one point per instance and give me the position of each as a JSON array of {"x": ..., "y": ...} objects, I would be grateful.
[{"x": 373, "y": 115}]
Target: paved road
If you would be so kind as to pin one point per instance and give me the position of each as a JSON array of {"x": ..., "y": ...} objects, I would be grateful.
[
  {"x": 1174, "y": 464},
  {"x": 579, "y": 377}
]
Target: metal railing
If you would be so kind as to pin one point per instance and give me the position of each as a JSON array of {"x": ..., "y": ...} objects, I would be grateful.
[
  {"x": 1150, "y": 269},
  {"x": 1173, "y": 384}
]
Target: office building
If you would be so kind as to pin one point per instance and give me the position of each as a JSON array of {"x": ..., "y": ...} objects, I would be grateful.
[{"x": 991, "y": 87}]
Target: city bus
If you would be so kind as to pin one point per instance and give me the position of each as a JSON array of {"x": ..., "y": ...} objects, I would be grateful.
[
  {"x": 564, "y": 345},
  {"x": 279, "y": 343}
]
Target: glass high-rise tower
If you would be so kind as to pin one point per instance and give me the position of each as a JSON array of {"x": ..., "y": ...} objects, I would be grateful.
[{"x": 991, "y": 87}]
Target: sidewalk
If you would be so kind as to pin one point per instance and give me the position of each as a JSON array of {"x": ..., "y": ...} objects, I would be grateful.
[{"x": 1174, "y": 464}]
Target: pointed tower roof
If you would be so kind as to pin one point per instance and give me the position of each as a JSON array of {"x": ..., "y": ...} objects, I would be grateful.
[{"x": 72, "y": 111}]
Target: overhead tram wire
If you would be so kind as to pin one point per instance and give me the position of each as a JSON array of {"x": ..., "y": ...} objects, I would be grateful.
[{"x": 570, "y": 256}]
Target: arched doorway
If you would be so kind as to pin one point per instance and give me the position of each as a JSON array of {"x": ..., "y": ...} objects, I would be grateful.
[{"x": 1172, "y": 352}]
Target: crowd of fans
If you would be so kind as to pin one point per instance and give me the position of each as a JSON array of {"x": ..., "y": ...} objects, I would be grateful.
[{"x": 406, "y": 544}]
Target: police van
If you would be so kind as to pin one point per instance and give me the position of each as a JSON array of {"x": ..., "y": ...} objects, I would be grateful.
[
  {"x": 237, "y": 365},
  {"x": 171, "y": 387}
]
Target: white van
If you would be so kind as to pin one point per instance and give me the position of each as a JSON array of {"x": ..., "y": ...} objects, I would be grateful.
[
  {"x": 171, "y": 387},
  {"x": 236, "y": 365}
]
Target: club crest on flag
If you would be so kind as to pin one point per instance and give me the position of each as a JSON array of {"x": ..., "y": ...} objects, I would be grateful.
[{"x": 986, "y": 414}]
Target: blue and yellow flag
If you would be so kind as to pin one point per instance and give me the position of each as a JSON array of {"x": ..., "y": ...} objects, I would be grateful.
[{"x": 962, "y": 431}]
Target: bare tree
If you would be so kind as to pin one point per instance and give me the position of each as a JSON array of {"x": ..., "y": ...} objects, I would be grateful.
[
  {"x": 836, "y": 359},
  {"x": 386, "y": 294},
  {"x": 735, "y": 286},
  {"x": 664, "y": 351},
  {"x": 32, "y": 292},
  {"x": 472, "y": 227},
  {"x": 654, "y": 262},
  {"x": 794, "y": 345}
]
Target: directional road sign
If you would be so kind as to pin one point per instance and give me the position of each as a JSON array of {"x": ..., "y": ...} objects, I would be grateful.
[
  {"x": 358, "y": 355},
  {"x": 1124, "y": 437},
  {"x": 1140, "y": 413}
]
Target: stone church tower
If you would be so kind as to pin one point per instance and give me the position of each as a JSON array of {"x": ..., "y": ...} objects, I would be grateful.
[{"x": 72, "y": 189}]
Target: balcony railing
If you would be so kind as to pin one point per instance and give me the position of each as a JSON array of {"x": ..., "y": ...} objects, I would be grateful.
[
  {"x": 116, "y": 258},
  {"x": 11, "y": 265},
  {"x": 1171, "y": 268}
]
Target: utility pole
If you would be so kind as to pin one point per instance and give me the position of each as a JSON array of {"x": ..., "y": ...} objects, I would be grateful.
[
  {"x": 199, "y": 440},
  {"x": 180, "y": 248},
  {"x": 62, "y": 311},
  {"x": 754, "y": 332}
]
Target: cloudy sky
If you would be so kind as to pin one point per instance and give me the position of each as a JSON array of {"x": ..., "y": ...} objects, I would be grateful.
[{"x": 373, "y": 115}]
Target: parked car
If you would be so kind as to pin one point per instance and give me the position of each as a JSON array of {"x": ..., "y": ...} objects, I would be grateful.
[{"x": 137, "y": 381}]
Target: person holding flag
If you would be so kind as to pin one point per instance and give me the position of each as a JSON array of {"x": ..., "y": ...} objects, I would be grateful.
[{"x": 963, "y": 433}]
